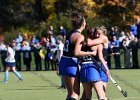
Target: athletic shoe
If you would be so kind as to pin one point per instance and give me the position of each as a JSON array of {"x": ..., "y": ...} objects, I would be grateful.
[
  {"x": 5, "y": 82},
  {"x": 61, "y": 87},
  {"x": 21, "y": 79}
]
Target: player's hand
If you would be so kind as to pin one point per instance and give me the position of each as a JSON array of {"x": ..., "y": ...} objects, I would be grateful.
[
  {"x": 93, "y": 53},
  {"x": 108, "y": 73}
]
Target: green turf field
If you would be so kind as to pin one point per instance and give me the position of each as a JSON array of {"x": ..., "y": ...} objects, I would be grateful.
[{"x": 43, "y": 86}]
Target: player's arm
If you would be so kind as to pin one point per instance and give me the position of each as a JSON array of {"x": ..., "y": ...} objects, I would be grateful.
[
  {"x": 78, "y": 46},
  {"x": 97, "y": 41},
  {"x": 100, "y": 55}
]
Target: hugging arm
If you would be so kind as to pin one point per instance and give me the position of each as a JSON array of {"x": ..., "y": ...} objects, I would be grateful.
[
  {"x": 97, "y": 41},
  {"x": 78, "y": 46}
]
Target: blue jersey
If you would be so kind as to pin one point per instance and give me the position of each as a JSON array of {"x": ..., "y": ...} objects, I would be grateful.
[
  {"x": 69, "y": 46},
  {"x": 115, "y": 49},
  {"x": 85, "y": 58},
  {"x": 105, "y": 53}
]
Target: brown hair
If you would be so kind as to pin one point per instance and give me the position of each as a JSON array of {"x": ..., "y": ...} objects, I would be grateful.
[
  {"x": 77, "y": 20},
  {"x": 91, "y": 32}
]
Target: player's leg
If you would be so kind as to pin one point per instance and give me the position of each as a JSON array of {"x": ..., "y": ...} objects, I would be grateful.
[
  {"x": 17, "y": 73},
  {"x": 67, "y": 87},
  {"x": 99, "y": 90},
  {"x": 6, "y": 74},
  {"x": 88, "y": 90},
  {"x": 75, "y": 86}
]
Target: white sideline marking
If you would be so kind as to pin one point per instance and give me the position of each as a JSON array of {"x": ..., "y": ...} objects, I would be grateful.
[{"x": 125, "y": 98}]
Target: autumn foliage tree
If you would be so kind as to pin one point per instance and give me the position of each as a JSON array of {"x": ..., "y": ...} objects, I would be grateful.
[{"x": 38, "y": 14}]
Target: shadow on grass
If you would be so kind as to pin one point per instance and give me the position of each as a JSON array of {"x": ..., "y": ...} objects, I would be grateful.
[
  {"x": 45, "y": 86},
  {"x": 31, "y": 89}
]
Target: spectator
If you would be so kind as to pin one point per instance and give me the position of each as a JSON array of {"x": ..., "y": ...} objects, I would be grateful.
[
  {"x": 47, "y": 58},
  {"x": 3, "y": 51},
  {"x": 37, "y": 57},
  {"x": 116, "y": 32},
  {"x": 133, "y": 29},
  {"x": 59, "y": 55},
  {"x": 122, "y": 37},
  {"x": 112, "y": 33},
  {"x": 62, "y": 32},
  {"x": 34, "y": 40},
  {"x": 43, "y": 41},
  {"x": 52, "y": 53},
  {"x": 19, "y": 39},
  {"x": 25, "y": 37},
  {"x": 17, "y": 48},
  {"x": 131, "y": 36},
  {"x": 52, "y": 30},
  {"x": 127, "y": 56},
  {"x": 109, "y": 55},
  {"x": 26, "y": 49},
  {"x": 138, "y": 30},
  {"x": 116, "y": 51},
  {"x": 134, "y": 45}
]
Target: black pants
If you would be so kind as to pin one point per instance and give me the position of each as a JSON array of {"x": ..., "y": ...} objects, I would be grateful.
[
  {"x": 109, "y": 62},
  {"x": 3, "y": 63},
  {"x": 18, "y": 62},
  {"x": 50, "y": 63},
  {"x": 47, "y": 62},
  {"x": 117, "y": 61},
  {"x": 27, "y": 62},
  {"x": 135, "y": 58},
  {"x": 38, "y": 63}
]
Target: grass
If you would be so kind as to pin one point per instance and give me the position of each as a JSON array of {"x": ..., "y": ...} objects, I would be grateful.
[{"x": 43, "y": 86}]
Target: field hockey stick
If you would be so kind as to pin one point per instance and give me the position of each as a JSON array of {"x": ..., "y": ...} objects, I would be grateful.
[{"x": 113, "y": 81}]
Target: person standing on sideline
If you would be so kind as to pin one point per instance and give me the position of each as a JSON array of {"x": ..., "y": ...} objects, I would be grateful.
[
  {"x": 133, "y": 28},
  {"x": 127, "y": 49},
  {"x": 60, "y": 46},
  {"x": 36, "y": 47},
  {"x": 10, "y": 63},
  {"x": 135, "y": 46},
  {"x": 27, "y": 58},
  {"x": 17, "y": 48},
  {"x": 3, "y": 51},
  {"x": 63, "y": 32},
  {"x": 115, "y": 45}
]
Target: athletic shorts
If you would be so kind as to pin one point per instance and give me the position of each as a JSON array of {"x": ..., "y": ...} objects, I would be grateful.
[
  {"x": 103, "y": 75},
  {"x": 89, "y": 72},
  {"x": 68, "y": 66},
  {"x": 10, "y": 64}
]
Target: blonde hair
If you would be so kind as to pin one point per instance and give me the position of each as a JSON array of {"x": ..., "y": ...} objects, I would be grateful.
[{"x": 103, "y": 28}]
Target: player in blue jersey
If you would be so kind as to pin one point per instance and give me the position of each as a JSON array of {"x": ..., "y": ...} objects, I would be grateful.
[
  {"x": 101, "y": 32},
  {"x": 90, "y": 74},
  {"x": 68, "y": 66},
  {"x": 101, "y": 38}
]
